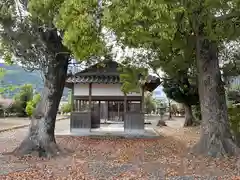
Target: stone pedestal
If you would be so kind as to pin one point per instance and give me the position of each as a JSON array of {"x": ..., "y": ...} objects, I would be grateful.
[
  {"x": 80, "y": 121},
  {"x": 134, "y": 122}
]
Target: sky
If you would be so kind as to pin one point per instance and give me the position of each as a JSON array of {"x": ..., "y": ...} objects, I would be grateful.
[{"x": 159, "y": 94}]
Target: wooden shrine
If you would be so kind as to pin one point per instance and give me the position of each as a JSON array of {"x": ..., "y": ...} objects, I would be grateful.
[{"x": 97, "y": 95}]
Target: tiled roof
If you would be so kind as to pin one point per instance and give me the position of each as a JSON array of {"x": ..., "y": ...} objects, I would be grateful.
[
  {"x": 94, "y": 79},
  {"x": 107, "y": 74}
]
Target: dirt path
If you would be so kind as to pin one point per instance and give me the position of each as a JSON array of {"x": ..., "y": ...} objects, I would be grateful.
[
  {"x": 175, "y": 129},
  {"x": 9, "y": 122}
]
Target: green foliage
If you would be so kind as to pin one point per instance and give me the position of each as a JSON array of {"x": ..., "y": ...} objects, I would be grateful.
[
  {"x": 150, "y": 20},
  {"x": 36, "y": 99},
  {"x": 31, "y": 105},
  {"x": 45, "y": 11},
  {"x": 130, "y": 78},
  {"x": 49, "y": 28},
  {"x": 197, "y": 111},
  {"x": 149, "y": 103},
  {"x": 181, "y": 110},
  {"x": 81, "y": 34},
  {"x": 230, "y": 55},
  {"x": 66, "y": 108},
  {"x": 168, "y": 28},
  {"x": 70, "y": 96},
  {"x": 233, "y": 96},
  {"x": 5, "y": 89},
  {"x": 154, "y": 22},
  {"x": 1, "y": 111},
  {"x": 234, "y": 117},
  {"x": 174, "y": 109},
  {"x": 2, "y": 73},
  {"x": 181, "y": 90},
  {"x": 24, "y": 95},
  {"x": 77, "y": 22},
  {"x": 29, "y": 108}
]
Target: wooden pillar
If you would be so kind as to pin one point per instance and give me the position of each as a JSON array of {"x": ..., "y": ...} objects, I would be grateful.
[
  {"x": 90, "y": 97},
  {"x": 90, "y": 104},
  {"x": 99, "y": 106},
  {"x": 108, "y": 116},
  {"x": 106, "y": 111},
  {"x": 72, "y": 99},
  {"x": 142, "y": 99},
  {"x": 99, "y": 110},
  {"x": 81, "y": 105},
  {"x": 118, "y": 105},
  {"x": 125, "y": 106}
]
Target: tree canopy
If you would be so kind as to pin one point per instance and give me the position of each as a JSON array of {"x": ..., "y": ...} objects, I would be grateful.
[
  {"x": 181, "y": 91},
  {"x": 32, "y": 25},
  {"x": 131, "y": 76}
]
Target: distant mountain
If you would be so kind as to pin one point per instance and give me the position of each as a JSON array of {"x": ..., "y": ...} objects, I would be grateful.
[{"x": 16, "y": 75}]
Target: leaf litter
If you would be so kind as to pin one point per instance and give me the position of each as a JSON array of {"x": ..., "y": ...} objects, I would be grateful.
[{"x": 128, "y": 159}]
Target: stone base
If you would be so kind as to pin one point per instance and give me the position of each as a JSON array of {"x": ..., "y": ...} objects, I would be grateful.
[
  {"x": 134, "y": 131},
  {"x": 80, "y": 130}
]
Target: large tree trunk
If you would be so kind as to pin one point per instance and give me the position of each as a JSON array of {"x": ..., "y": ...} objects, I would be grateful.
[
  {"x": 216, "y": 139},
  {"x": 41, "y": 137},
  {"x": 189, "y": 119}
]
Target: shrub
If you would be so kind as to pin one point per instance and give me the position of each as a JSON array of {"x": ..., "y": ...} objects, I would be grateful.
[
  {"x": 181, "y": 110},
  {"x": 234, "y": 118},
  {"x": 18, "y": 108},
  {"x": 31, "y": 105},
  {"x": 29, "y": 108},
  {"x": 66, "y": 108},
  {"x": 174, "y": 109},
  {"x": 24, "y": 95},
  {"x": 197, "y": 112},
  {"x": 1, "y": 111},
  {"x": 149, "y": 103}
]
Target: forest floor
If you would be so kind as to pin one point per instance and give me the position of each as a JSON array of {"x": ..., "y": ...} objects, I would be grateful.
[{"x": 111, "y": 158}]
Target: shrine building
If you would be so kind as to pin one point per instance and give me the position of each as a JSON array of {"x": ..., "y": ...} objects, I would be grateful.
[{"x": 97, "y": 99}]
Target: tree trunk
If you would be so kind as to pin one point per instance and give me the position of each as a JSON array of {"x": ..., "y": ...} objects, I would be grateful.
[
  {"x": 41, "y": 137},
  {"x": 189, "y": 119},
  {"x": 170, "y": 110},
  {"x": 216, "y": 139}
]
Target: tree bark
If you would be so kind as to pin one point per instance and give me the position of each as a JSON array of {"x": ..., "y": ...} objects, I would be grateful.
[
  {"x": 170, "y": 110},
  {"x": 41, "y": 137},
  {"x": 189, "y": 119},
  {"x": 216, "y": 139}
]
